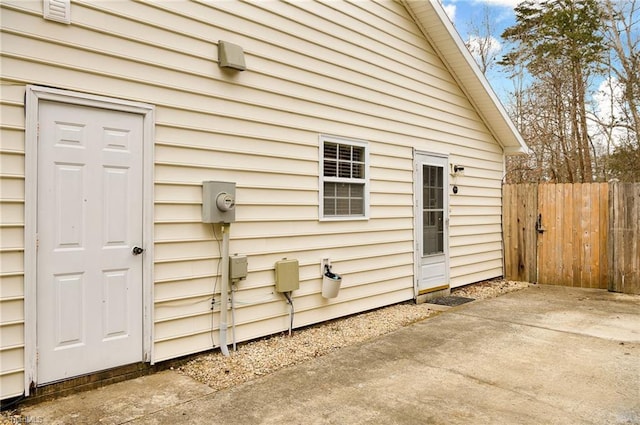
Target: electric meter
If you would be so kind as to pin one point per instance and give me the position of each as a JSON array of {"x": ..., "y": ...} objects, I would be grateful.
[
  {"x": 218, "y": 202},
  {"x": 225, "y": 202}
]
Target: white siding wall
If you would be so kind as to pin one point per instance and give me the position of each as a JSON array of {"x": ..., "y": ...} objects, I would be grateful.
[
  {"x": 360, "y": 70},
  {"x": 11, "y": 239}
]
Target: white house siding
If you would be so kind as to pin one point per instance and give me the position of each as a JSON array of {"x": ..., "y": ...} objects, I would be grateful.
[
  {"x": 362, "y": 70},
  {"x": 11, "y": 239}
]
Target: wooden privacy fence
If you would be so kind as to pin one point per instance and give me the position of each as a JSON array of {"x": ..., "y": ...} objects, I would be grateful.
[{"x": 583, "y": 234}]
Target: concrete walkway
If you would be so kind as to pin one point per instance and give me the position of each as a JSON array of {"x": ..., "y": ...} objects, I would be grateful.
[{"x": 544, "y": 355}]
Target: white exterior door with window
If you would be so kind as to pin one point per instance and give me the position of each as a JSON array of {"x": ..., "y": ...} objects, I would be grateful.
[
  {"x": 432, "y": 219},
  {"x": 89, "y": 219}
]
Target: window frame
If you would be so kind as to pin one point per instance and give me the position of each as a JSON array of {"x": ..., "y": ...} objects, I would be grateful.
[{"x": 324, "y": 138}]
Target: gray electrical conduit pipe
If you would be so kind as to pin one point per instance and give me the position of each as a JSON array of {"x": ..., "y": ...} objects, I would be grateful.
[{"x": 224, "y": 291}]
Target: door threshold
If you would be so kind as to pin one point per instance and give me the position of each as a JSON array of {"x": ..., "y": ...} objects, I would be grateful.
[{"x": 434, "y": 289}]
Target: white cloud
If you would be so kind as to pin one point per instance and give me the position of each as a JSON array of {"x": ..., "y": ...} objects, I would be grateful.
[
  {"x": 607, "y": 107},
  {"x": 607, "y": 99},
  {"x": 503, "y": 3},
  {"x": 450, "y": 10},
  {"x": 492, "y": 44},
  {"x": 484, "y": 51}
]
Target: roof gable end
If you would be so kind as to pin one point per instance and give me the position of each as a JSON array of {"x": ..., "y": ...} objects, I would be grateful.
[{"x": 436, "y": 26}]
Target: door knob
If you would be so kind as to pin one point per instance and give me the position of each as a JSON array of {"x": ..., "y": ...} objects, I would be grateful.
[{"x": 137, "y": 250}]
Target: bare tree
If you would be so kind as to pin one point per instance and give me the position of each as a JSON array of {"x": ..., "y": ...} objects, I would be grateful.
[
  {"x": 622, "y": 34},
  {"x": 622, "y": 126},
  {"x": 482, "y": 41}
]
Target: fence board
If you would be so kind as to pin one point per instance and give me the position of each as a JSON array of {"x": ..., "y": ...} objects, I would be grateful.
[
  {"x": 604, "y": 224},
  {"x": 545, "y": 197},
  {"x": 577, "y": 240},
  {"x": 594, "y": 240},
  {"x": 586, "y": 260},
  {"x": 568, "y": 231},
  {"x": 507, "y": 230},
  {"x": 529, "y": 242}
]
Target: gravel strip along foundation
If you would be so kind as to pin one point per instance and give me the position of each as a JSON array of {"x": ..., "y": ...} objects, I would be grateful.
[{"x": 260, "y": 357}]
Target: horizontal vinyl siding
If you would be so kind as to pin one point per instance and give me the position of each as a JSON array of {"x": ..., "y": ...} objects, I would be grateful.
[
  {"x": 11, "y": 242},
  {"x": 360, "y": 70},
  {"x": 475, "y": 237}
]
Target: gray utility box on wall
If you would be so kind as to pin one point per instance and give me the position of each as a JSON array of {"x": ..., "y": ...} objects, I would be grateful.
[
  {"x": 287, "y": 275},
  {"x": 238, "y": 267},
  {"x": 218, "y": 202},
  {"x": 230, "y": 56}
]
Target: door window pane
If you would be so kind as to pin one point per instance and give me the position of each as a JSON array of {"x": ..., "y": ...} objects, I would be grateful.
[{"x": 432, "y": 209}]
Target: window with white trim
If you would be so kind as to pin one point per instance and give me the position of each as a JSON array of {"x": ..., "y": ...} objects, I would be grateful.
[{"x": 344, "y": 178}]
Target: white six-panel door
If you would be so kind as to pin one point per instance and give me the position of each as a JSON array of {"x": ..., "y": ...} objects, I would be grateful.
[{"x": 89, "y": 218}]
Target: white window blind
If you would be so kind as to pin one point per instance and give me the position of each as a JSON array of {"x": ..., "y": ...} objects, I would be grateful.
[{"x": 344, "y": 178}]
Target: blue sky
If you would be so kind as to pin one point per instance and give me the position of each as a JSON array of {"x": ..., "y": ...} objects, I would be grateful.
[
  {"x": 502, "y": 15},
  {"x": 464, "y": 12}
]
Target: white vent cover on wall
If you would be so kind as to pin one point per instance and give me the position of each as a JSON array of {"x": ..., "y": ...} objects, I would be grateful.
[{"x": 57, "y": 10}]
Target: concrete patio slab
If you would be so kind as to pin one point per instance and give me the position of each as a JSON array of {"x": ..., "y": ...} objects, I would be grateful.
[{"x": 542, "y": 355}]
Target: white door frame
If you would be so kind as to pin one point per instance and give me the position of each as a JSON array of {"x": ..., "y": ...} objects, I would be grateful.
[
  {"x": 34, "y": 95},
  {"x": 417, "y": 229}
]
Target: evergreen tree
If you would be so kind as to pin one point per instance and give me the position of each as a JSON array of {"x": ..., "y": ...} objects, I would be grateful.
[{"x": 560, "y": 44}]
